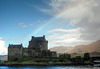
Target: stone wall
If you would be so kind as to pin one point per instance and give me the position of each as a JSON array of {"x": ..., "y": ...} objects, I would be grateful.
[
  {"x": 25, "y": 51},
  {"x": 53, "y": 54},
  {"x": 38, "y": 43},
  {"x": 38, "y": 47},
  {"x": 14, "y": 53}
]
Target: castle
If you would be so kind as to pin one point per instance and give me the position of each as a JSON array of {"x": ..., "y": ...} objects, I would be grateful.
[{"x": 38, "y": 47}]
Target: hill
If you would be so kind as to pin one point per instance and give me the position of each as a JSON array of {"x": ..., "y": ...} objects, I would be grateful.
[
  {"x": 61, "y": 49},
  {"x": 93, "y": 47},
  {"x": 1, "y": 56},
  {"x": 4, "y": 58}
]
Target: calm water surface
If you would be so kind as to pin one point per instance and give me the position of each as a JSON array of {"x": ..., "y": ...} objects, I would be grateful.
[{"x": 57, "y": 67}]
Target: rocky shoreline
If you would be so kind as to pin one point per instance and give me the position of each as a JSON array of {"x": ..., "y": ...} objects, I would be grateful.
[{"x": 46, "y": 64}]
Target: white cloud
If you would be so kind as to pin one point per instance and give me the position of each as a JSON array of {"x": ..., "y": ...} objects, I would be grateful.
[
  {"x": 64, "y": 31},
  {"x": 62, "y": 37},
  {"x": 3, "y": 49},
  {"x": 57, "y": 6},
  {"x": 30, "y": 24},
  {"x": 15, "y": 39},
  {"x": 22, "y": 25},
  {"x": 85, "y": 17}
]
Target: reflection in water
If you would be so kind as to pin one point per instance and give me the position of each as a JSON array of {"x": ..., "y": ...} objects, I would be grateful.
[{"x": 58, "y": 67}]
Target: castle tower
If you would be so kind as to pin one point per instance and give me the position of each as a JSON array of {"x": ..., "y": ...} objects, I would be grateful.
[
  {"x": 38, "y": 47},
  {"x": 38, "y": 43},
  {"x": 14, "y": 51}
]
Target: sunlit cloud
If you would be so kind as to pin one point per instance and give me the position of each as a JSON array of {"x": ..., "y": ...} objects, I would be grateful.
[
  {"x": 3, "y": 49},
  {"x": 30, "y": 24},
  {"x": 22, "y": 25},
  {"x": 15, "y": 39},
  {"x": 62, "y": 37},
  {"x": 84, "y": 17}
]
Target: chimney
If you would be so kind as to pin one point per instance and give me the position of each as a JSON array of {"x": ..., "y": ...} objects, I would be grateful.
[
  {"x": 43, "y": 36},
  {"x": 32, "y": 37},
  {"x": 21, "y": 44}
]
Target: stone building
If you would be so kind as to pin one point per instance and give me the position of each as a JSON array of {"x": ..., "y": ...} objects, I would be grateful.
[
  {"x": 14, "y": 51},
  {"x": 38, "y": 47}
]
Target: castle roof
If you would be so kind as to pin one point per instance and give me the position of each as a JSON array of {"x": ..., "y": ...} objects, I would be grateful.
[
  {"x": 38, "y": 38},
  {"x": 15, "y": 46}
]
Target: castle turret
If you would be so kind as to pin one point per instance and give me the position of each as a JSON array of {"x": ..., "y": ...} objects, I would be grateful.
[
  {"x": 38, "y": 47},
  {"x": 14, "y": 51},
  {"x": 32, "y": 37},
  {"x": 38, "y": 43}
]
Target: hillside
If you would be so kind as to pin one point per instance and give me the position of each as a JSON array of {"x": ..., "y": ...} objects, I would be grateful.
[
  {"x": 4, "y": 58},
  {"x": 93, "y": 47},
  {"x": 1, "y": 56},
  {"x": 61, "y": 49}
]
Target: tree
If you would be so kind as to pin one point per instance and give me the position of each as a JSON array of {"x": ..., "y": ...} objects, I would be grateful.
[
  {"x": 23, "y": 57},
  {"x": 68, "y": 56},
  {"x": 87, "y": 56},
  {"x": 79, "y": 59}
]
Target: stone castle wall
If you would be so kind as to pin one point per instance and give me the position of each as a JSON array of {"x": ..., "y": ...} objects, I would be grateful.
[
  {"x": 38, "y": 43},
  {"x": 14, "y": 53},
  {"x": 38, "y": 47},
  {"x": 25, "y": 51}
]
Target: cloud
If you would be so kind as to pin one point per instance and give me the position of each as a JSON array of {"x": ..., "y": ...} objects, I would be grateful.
[
  {"x": 3, "y": 49},
  {"x": 86, "y": 18},
  {"x": 64, "y": 31},
  {"x": 89, "y": 23},
  {"x": 22, "y": 25},
  {"x": 57, "y": 6},
  {"x": 17, "y": 39},
  {"x": 30, "y": 24},
  {"x": 62, "y": 37}
]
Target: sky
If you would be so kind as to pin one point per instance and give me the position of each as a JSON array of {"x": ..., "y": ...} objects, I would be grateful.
[{"x": 63, "y": 22}]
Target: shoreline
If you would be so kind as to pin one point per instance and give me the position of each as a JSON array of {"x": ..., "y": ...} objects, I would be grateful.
[{"x": 46, "y": 64}]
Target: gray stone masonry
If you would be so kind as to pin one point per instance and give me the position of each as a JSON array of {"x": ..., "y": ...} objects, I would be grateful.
[{"x": 38, "y": 47}]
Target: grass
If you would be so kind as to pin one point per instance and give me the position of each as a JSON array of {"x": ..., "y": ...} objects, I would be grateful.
[
  {"x": 73, "y": 56},
  {"x": 95, "y": 55},
  {"x": 46, "y": 60},
  {"x": 29, "y": 61},
  {"x": 38, "y": 60},
  {"x": 82, "y": 55}
]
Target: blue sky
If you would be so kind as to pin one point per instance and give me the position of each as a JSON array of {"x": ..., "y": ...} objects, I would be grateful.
[
  {"x": 21, "y": 19},
  {"x": 20, "y": 12}
]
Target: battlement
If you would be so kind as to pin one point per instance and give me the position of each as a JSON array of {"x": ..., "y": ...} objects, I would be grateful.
[
  {"x": 38, "y": 43},
  {"x": 38, "y": 38},
  {"x": 15, "y": 46},
  {"x": 38, "y": 47}
]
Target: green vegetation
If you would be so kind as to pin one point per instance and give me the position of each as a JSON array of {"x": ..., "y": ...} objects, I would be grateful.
[
  {"x": 27, "y": 59},
  {"x": 87, "y": 56},
  {"x": 74, "y": 55},
  {"x": 40, "y": 60},
  {"x": 66, "y": 56},
  {"x": 82, "y": 55},
  {"x": 24, "y": 58},
  {"x": 87, "y": 61},
  {"x": 81, "y": 58},
  {"x": 94, "y": 55}
]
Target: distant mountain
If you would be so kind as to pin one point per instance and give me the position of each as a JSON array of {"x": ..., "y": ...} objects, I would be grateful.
[
  {"x": 93, "y": 47},
  {"x": 61, "y": 49},
  {"x": 1, "y": 56},
  {"x": 95, "y": 53},
  {"x": 4, "y": 58}
]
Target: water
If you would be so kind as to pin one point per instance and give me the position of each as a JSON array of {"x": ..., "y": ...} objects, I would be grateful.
[{"x": 53, "y": 67}]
